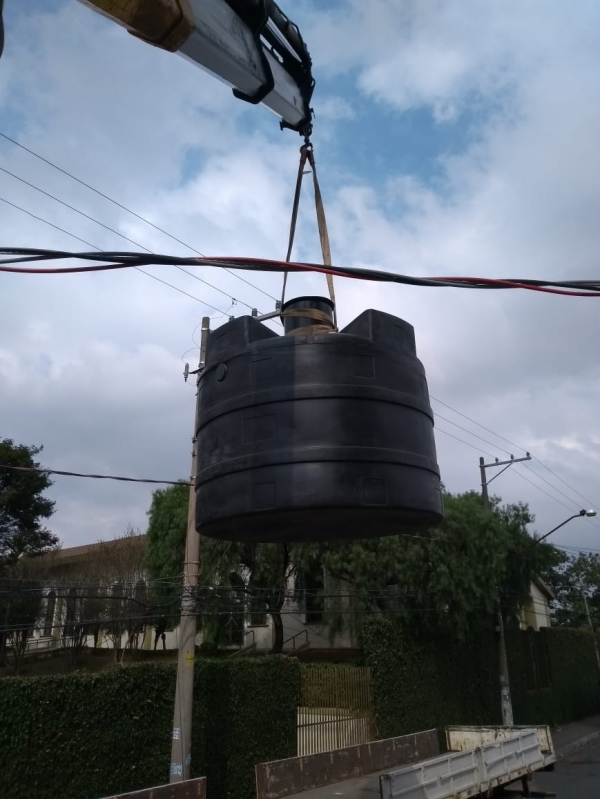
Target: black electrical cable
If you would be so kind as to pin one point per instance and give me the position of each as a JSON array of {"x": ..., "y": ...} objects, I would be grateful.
[
  {"x": 114, "y": 202},
  {"x": 93, "y": 476},
  {"x": 123, "y": 260}
]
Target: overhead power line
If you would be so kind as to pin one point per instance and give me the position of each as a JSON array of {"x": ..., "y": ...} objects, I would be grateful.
[
  {"x": 111, "y": 230},
  {"x": 95, "y": 247},
  {"x": 473, "y": 421},
  {"x": 464, "y": 429},
  {"x": 543, "y": 490},
  {"x": 554, "y": 488},
  {"x": 462, "y": 441},
  {"x": 125, "y": 208},
  {"x": 124, "y": 260},
  {"x": 564, "y": 482},
  {"x": 93, "y": 476},
  {"x": 523, "y": 449}
]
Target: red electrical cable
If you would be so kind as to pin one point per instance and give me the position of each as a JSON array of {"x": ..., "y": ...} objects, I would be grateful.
[
  {"x": 36, "y": 270},
  {"x": 513, "y": 284},
  {"x": 273, "y": 265}
]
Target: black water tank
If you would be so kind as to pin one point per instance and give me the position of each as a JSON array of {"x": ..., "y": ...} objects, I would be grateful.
[{"x": 315, "y": 437}]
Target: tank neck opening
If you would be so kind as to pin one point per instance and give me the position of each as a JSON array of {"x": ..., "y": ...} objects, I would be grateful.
[{"x": 307, "y": 315}]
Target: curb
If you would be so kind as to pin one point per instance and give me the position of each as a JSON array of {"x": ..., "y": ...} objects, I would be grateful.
[{"x": 575, "y": 746}]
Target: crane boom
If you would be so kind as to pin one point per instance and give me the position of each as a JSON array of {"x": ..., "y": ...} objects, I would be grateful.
[{"x": 248, "y": 44}]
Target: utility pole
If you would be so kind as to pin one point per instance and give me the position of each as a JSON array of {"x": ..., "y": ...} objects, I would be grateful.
[
  {"x": 505, "y": 697},
  {"x": 184, "y": 689},
  {"x": 589, "y": 618}
]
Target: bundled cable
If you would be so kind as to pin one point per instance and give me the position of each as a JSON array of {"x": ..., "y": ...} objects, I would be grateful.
[{"x": 17, "y": 259}]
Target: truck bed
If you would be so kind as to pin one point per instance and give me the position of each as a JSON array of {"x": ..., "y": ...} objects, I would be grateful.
[{"x": 487, "y": 758}]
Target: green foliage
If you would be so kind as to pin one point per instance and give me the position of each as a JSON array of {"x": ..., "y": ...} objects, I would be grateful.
[
  {"x": 576, "y": 576},
  {"x": 22, "y": 506},
  {"x": 554, "y": 675},
  {"x": 423, "y": 684},
  {"x": 165, "y": 550},
  {"x": 82, "y": 736},
  {"x": 419, "y": 686},
  {"x": 20, "y": 607},
  {"x": 235, "y": 572},
  {"x": 259, "y": 719},
  {"x": 447, "y": 581}
]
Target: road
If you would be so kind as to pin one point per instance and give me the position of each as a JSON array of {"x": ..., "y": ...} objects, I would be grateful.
[{"x": 575, "y": 777}]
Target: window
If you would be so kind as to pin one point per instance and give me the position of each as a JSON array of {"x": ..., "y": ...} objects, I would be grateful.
[
  {"x": 50, "y": 608},
  {"x": 311, "y": 583},
  {"x": 71, "y": 611},
  {"x": 258, "y": 606}
]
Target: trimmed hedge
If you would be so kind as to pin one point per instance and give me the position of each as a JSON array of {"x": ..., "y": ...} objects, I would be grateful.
[
  {"x": 245, "y": 713},
  {"x": 418, "y": 686},
  {"x": 565, "y": 691},
  {"x": 83, "y": 736}
]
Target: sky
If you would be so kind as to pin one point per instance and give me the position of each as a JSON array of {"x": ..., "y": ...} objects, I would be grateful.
[{"x": 450, "y": 137}]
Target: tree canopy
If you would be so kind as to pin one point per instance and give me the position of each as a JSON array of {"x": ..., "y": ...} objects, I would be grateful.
[
  {"x": 22, "y": 504},
  {"x": 576, "y": 576},
  {"x": 445, "y": 580},
  {"x": 165, "y": 549}
]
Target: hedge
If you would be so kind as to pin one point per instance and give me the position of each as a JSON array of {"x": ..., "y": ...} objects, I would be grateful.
[
  {"x": 422, "y": 685},
  {"x": 565, "y": 691},
  {"x": 83, "y": 736},
  {"x": 426, "y": 685}
]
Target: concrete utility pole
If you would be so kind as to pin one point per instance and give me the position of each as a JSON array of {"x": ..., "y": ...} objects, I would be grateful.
[
  {"x": 505, "y": 697},
  {"x": 184, "y": 690}
]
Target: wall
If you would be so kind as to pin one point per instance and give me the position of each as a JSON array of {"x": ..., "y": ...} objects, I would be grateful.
[
  {"x": 536, "y": 614},
  {"x": 417, "y": 686}
]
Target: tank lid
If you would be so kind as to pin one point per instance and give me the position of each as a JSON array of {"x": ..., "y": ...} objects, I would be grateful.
[{"x": 318, "y": 317}]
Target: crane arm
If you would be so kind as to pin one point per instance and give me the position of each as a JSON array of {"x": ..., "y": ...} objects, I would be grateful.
[{"x": 248, "y": 44}]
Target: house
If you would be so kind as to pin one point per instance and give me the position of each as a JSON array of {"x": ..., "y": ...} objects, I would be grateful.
[
  {"x": 246, "y": 629},
  {"x": 536, "y": 613},
  {"x": 73, "y": 572}
]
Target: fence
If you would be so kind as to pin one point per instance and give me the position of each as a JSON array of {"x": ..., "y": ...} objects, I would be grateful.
[{"x": 335, "y": 708}]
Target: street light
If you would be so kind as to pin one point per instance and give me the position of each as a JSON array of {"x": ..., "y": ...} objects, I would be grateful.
[{"x": 582, "y": 512}]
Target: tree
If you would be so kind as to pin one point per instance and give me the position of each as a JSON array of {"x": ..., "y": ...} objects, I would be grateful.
[
  {"x": 249, "y": 576},
  {"x": 22, "y": 535},
  {"x": 445, "y": 580},
  {"x": 120, "y": 566},
  {"x": 75, "y": 624},
  {"x": 22, "y": 506},
  {"x": 264, "y": 569},
  {"x": 576, "y": 576},
  {"x": 21, "y": 601},
  {"x": 165, "y": 551}
]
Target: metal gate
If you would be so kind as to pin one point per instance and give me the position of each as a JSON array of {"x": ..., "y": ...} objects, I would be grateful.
[{"x": 335, "y": 708}]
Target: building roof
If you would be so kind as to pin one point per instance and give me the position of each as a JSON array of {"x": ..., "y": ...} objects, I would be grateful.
[
  {"x": 543, "y": 587},
  {"x": 68, "y": 556}
]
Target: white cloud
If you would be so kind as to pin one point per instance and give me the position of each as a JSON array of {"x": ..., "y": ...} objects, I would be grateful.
[{"x": 90, "y": 365}]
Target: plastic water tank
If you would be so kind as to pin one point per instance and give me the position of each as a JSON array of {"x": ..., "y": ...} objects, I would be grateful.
[{"x": 305, "y": 437}]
